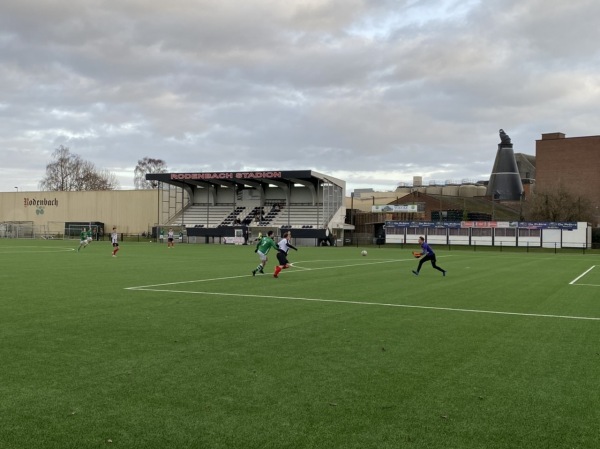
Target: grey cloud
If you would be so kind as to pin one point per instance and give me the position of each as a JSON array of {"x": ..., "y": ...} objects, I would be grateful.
[{"x": 360, "y": 87}]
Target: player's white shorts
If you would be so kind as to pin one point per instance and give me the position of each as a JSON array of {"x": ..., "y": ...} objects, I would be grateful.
[{"x": 262, "y": 256}]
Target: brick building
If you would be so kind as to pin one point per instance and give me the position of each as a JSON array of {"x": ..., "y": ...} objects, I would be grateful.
[{"x": 572, "y": 162}]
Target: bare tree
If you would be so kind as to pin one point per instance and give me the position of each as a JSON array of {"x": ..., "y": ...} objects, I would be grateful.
[
  {"x": 69, "y": 172},
  {"x": 102, "y": 180},
  {"x": 558, "y": 204},
  {"x": 146, "y": 166}
]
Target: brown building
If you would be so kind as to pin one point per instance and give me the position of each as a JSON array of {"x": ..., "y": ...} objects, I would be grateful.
[
  {"x": 526, "y": 166},
  {"x": 572, "y": 162}
]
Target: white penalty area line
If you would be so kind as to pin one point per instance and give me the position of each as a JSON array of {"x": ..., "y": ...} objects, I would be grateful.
[
  {"x": 145, "y": 287},
  {"x": 152, "y": 288},
  {"x": 361, "y": 264},
  {"x": 362, "y": 303},
  {"x": 582, "y": 275}
]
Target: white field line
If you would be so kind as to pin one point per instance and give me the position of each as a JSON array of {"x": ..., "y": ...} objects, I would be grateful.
[
  {"x": 44, "y": 250},
  {"x": 581, "y": 275},
  {"x": 339, "y": 301},
  {"x": 362, "y": 303},
  {"x": 249, "y": 275},
  {"x": 300, "y": 268},
  {"x": 296, "y": 264}
]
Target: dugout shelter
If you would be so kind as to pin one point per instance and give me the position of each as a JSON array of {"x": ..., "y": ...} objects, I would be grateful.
[{"x": 242, "y": 204}]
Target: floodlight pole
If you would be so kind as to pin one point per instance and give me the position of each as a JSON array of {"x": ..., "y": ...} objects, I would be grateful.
[
  {"x": 521, "y": 205},
  {"x": 495, "y": 196},
  {"x": 352, "y": 208},
  {"x": 182, "y": 206}
]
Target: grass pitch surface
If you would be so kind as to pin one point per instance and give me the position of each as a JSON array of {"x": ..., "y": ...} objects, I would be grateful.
[{"x": 184, "y": 348}]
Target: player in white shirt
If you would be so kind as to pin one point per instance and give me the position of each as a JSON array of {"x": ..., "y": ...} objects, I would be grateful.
[
  {"x": 114, "y": 238},
  {"x": 284, "y": 246},
  {"x": 170, "y": 238}
]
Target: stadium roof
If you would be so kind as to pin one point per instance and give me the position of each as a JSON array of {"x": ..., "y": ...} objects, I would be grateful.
[{"x": 244, "y": 178}]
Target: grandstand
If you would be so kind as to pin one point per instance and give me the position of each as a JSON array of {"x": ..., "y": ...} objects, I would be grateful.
[{"x": 218, "y": 204}]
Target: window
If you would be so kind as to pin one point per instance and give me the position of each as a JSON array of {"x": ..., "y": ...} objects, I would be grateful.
[
  {"x": 505, "y": 232},
  {"x": 437, "y": 231},
  {"x": 415, "y": 231},
  {"x": 529, "y": 233},
  {"x": 459, "y": 231}
]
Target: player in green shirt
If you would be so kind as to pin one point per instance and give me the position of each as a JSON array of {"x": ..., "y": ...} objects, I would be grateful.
[
  {"x": 262, "y": 249},
  {"x": 83, "y": 239}
]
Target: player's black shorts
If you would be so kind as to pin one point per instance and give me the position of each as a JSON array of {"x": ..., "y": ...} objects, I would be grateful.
[
  {"x": 115, "y": 244},
  {"x": 170, "y": 239},
  {"x": 282, "y": 258}
]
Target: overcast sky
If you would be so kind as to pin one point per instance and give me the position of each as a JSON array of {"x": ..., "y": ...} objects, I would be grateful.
[{"x": 370, "y": 91}]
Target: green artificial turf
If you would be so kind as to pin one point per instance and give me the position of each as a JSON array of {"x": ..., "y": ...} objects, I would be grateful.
[{"x": 184, "y": 348}]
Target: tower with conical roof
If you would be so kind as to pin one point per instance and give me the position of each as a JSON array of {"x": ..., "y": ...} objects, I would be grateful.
[{"x": 505, "y": 182}]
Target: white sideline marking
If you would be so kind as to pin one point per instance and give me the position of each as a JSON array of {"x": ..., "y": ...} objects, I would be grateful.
[
  {"x": 407, "y": 306},
  {"x": 582, "y": 275}
]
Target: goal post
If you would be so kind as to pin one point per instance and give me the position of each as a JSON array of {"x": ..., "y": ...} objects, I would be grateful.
[{"x": 73, "y": 230}]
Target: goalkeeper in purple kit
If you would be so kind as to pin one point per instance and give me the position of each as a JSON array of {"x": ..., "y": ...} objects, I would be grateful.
[{"x": 427, "y": 254}]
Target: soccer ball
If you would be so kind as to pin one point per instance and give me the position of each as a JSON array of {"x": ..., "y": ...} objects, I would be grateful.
[{"x": 363, "y": 253}]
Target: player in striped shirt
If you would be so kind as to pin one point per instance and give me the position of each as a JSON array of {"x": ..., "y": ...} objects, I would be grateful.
[
  {"x": 114, "y": 238},
  {"x": 170, "y": 238},
  {"x": 284, "y": 246}
]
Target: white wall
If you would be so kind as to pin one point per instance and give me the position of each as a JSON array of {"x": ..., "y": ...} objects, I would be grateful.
[{"x": 551, "y": 238}]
